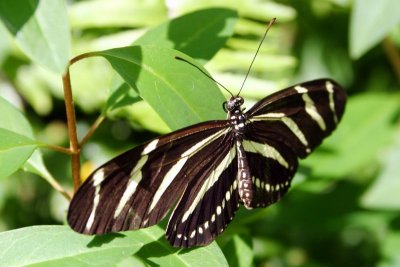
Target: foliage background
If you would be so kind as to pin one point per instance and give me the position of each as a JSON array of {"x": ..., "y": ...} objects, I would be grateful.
[{"x": 343, "y": 209}]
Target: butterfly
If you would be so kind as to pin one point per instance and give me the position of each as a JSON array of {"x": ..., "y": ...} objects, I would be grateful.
[{"x": 206, "y": 171}]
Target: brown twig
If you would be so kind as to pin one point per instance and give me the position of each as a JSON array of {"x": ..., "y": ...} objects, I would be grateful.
[
  {"x": 58, "y": 148},
  {"x": 393, "y": 55},
  {"x": 91, "y": 130},
  {"x": 71, "y": 122}
]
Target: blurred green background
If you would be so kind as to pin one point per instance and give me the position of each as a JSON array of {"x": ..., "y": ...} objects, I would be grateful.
[{"x": 343, "y": 209}]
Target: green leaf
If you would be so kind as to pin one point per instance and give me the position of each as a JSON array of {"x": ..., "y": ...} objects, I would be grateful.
[
  {"x": 41, "y": 30},
  {"x": 173, "y": 88},
  {"x": 370, "y": 23},
  {"x": 121, "y": 95},
  {"x": 116, "y": 13},
  {"x": 208, "y": 32},
  {"x": 384, "y": 192},
  {"x": 15, "y": 149},
  {"x": 36, "y": 165},
  {"x": 366, "y": 127},
  {"x": 16, "y": 139},
  {"x": 239, "y": 252},
  {"x": 60, "y": 246},
  {"x": 201, "y": 40}
]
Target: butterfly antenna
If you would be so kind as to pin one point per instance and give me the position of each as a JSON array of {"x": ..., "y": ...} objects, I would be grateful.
[
  {"x": 205, "y": 73},
  {"x": 255, "y": 55}
]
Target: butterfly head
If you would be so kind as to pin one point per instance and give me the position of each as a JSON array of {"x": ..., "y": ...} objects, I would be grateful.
[{"x": 233, "y": 104}]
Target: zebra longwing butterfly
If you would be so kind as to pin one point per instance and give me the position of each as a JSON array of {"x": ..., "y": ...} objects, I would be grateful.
[{"x": 207, "y": 170}]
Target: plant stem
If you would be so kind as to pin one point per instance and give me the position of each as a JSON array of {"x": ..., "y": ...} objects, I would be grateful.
[
  {"x": 93, "y": 128},
  {"x": 57, "y": 148},
  {"x": 71, "y": 122},
  {"x": 392, "y": 55},
  {"x": 53, "y": 182}
]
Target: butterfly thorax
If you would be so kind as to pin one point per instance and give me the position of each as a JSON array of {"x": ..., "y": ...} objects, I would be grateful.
[{"x": 233, "y": 107}]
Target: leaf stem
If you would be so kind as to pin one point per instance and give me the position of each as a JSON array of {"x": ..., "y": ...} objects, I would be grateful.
[
  {"x": 71, "y": 122},
  {"x": 81, "y": 56},
  {"x": 393, "y": 55},
  {"x": 92, "y": 128},
  {"x": 57, "y": 148},
  {"x": 53, "y": 182}
]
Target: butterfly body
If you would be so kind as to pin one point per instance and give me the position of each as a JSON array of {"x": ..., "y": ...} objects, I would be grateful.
[{"x": 205, "y": 171}]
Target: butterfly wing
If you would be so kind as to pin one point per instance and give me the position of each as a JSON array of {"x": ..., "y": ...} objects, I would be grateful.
[
  {"x": 211, "y": 201},
  {"x": 284, "y": 126},
  {"x": 139, "y": 187}
]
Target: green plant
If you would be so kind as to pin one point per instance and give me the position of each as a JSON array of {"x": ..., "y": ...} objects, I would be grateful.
[{"x": 343, "y": 210}]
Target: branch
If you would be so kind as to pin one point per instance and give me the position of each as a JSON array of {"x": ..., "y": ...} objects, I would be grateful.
[
  {"x": 93, "y": 128},
  {"x": 71, "y": 122}
]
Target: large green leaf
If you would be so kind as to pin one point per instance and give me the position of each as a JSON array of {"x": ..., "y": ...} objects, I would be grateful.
[
  {"x": 238, "y": 251},
  {"x": 366, "y": 127},
  {"x": 384, "y": 192},
  {"x": 16, "y": 139},
  {"x": 175, "y": 89},
  {"x": 209, "y": 30},
  {"x": 60, "y": 246},
  {"x": 370, "y": 22},
  {"x": 40, "y": 28}
]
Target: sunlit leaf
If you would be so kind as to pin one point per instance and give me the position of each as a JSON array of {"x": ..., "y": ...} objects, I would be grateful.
[
  {"x": 60, "y": 246},
  {"x": 173, "y": 88},
  {"x": 370, "y": 22},
  {"x": 209, "y": 30},
  {"x": 41, "y": 30},
  {"x": 384, "y": 192},
  {"x": 15, "y": 149},
  {"x": 16, "y": 139}
]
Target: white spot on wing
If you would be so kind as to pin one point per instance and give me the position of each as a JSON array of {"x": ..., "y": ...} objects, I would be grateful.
[
  {"x": 329, "y": 88},
  {"x": 292, "y": 125},
  {"x": 265, "y": 150},
  {"x": 310, "y": 107},
  {"x": 169, "y": 177},
  {"x": 204, "y": 142},
  {"x": 98, "y": 177},
  {"x": 193, "y": 234},
  {"x": 227, "y": 195},
  {"x": 136, "y": 177},
  {"x": 300, "y": 89},
  {"x": 150, "y": 147},
  {"x": 219, "y": 210}
]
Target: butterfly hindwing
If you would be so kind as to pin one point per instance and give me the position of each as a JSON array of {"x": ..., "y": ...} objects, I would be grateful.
[{"x": 272, "y": 166}]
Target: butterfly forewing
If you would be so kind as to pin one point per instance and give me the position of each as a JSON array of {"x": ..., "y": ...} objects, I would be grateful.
[
  {"x": 209, "y": 203},
  {"x": 300, "y": 116},
  {"x": 138, "y": 188},
  {"x": 208, "y": 169}
]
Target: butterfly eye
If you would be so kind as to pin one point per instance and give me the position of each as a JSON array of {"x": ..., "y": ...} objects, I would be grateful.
[{"x": 225, "y": 106}]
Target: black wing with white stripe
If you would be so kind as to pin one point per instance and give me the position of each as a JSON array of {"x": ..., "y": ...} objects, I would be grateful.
[
  {"x": 284, "y": 126},
  {"x": 139, "y": 187},
  {"x": 209, "y": 169}
]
